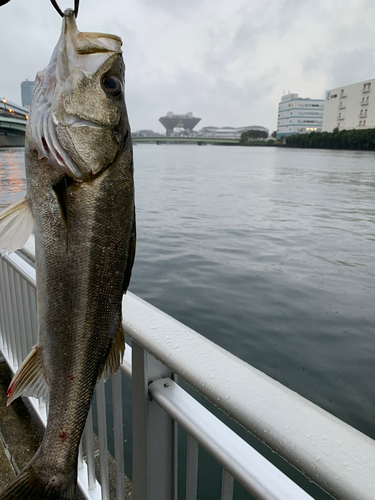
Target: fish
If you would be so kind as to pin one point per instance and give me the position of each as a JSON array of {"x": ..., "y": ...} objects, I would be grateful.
[{"x": 80, "y": 202}]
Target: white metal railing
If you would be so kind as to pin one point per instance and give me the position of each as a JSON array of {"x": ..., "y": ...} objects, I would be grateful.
[{"x": 329, "y": 452}]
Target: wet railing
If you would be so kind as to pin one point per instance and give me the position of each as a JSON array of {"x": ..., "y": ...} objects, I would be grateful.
[{"x": 338, "y": 458}]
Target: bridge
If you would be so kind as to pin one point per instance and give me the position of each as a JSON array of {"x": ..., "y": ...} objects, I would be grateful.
[
  {"x": 13, "y": 119},
  {"x": 186, "y": 140}
]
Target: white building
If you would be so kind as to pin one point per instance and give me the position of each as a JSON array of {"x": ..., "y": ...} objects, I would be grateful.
[
  {"x": 229, "y": 132},
  {"x": 299, "y": 116},
  {"x": 349, "y": 107}
]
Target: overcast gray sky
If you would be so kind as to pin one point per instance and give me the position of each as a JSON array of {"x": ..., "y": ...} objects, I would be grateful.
[{"x": 227, "y": 61}]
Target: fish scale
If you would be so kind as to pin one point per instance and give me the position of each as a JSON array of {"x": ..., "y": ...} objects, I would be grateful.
[{"x": 82, "y": 206}]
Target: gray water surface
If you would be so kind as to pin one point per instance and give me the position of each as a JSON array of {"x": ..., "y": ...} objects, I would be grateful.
[{"x": 268, "y": 252}]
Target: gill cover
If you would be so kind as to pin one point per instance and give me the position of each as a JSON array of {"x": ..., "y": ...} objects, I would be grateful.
[{"x": 78, "y": 116}]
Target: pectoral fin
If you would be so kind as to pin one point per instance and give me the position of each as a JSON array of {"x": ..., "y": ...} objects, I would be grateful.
[
  {"x": 16, "y": 223},
  {"x": 29, "y": 379},
  {"x": 116, "y": 353}
]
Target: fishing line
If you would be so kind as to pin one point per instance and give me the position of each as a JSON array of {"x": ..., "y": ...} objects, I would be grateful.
[{"x": 76, "y": 6}]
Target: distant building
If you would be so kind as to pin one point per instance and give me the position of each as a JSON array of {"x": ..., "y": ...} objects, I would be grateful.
[
  {"x": 349, "y": 107},
  {"x": 229, "y": 132},
  {"x": 27, "y": 89},
  {"x": 299, "y": 116},
  {"x": 146, "y": 133},
  {"x": 186, "y": 122}
]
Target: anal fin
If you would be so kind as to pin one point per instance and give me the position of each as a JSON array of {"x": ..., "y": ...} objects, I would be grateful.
[
  {"x": 116, "y": 353},
  {"x": 29, "y": 379},
  {"x": 16, "y": 223}
]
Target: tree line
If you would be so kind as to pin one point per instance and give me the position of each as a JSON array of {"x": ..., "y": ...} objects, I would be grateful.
[
  {"x": 344, "y": 139},
  {"x": 252, "y": 134}
]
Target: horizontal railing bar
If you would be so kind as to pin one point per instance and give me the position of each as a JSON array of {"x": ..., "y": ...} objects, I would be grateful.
[
  {"x": 21, "y": 267},
  {"x": 126, "y": 364},
  {"x": 29, "y": 249},
  {"x": 262, "y": 479},
  {"x": 337, "y": 457}
]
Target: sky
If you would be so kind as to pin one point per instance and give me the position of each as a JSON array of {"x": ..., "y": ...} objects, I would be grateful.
[{"x": 229, "y": 62}]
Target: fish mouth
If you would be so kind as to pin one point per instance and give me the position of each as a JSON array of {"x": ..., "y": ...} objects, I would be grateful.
[{"x": 86, "y": 43}]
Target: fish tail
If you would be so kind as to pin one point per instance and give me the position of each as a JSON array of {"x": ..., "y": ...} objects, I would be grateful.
[{"x": 29, "y": 485}]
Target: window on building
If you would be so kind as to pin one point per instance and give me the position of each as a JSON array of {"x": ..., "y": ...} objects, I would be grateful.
[
  {"x": 338, "y": 125},
  {"x": 368, "y": 86},
  {"x": 366, "y": 111},
  {"x": 342, "y": 91},
  {"x": 367, "y": 98},
  {"x": 364, "y": 123},
  {"x": 363, "y": 99},
  {"x": 360, "y": 124}
]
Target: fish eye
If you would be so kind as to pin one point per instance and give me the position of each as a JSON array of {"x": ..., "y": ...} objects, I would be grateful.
[{"x": 112, "y": 86}]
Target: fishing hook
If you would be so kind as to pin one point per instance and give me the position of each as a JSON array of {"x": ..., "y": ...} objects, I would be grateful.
[{"x": 76, "y": 6}]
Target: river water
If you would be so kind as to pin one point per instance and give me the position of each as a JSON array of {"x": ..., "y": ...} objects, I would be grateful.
[{"x": 269, "y": 252}]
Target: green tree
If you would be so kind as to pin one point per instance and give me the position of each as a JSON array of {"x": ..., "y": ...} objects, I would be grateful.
[
  {"x": 249, "y": 135},
  {"x": 344, "y": 139}
]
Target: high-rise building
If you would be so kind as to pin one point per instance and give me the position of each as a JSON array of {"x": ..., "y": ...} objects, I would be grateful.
[
  {"x": 348, "y": 107},
  {"x": 299, "y": 116},
  {"x": 27, "y": 89}
]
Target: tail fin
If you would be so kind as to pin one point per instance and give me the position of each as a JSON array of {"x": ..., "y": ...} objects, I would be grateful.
[{"x": 29, "y": 485}]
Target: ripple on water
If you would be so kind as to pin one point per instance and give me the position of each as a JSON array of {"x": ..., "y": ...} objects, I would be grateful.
[
  {"x": 268, "y": 252},
  {"x": 12, "y": 176}
]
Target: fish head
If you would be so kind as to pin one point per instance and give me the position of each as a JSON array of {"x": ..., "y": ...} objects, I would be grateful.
[{"x": 78, "y": 118}]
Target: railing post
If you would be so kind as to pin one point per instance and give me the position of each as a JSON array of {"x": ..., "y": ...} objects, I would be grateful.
[
  {"x": 153, "y": 433},
  {"x": 118, "y": 432},
  {"x": 102, "y": 434},
  {"x": 227, "y": 484},
  {"x": 191, "y": 468}
]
